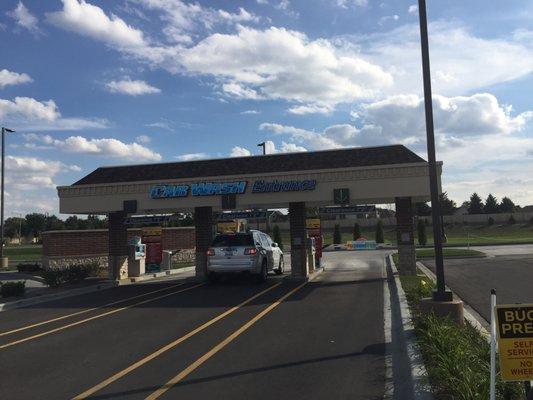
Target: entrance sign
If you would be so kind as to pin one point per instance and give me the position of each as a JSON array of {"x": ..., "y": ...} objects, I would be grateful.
[
  {"x": 313, "y": 226},
  {"x": 261, "y": 186},
  {"x": 153, "y": 219},
  {"x": 341, "y": 196},
  {"x": 249, "y": 215},
  {"x": 515, "y": 341},
  {"x": 153, "y": 238},
  {"x": 227, "y": 226}
]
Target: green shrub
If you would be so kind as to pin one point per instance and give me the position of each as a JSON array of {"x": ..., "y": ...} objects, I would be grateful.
[
  {"x": 93, "y": 269},
  {"x": 422, "y": 236},
  {"x": 337, "y": 234},
  {"x": 277, "y": 236},
  {"x": 512, "y": 220},
  {"x": 379, "y": 232},
  {"x": 73, "y": 273},
  {"x": 356, "y": 231},
  {"x": 28, "y": 267},
  {"x": 52, "y": 277},
  {"x": 491, "y": 221},
  {"x": 9, "y": 289}
]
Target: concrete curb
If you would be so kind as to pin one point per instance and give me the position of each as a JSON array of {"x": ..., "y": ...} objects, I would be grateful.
[
  {"x": 153, "y": 275},
  {"x": 471, "y": 315},
  {"x": 55, "y": 296},
  {"x": 401, "y": 345}
]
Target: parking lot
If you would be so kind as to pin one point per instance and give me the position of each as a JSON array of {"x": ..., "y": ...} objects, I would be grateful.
[
  {"x": 508, "y": 269},
  {"x": 181, "y": 339}
]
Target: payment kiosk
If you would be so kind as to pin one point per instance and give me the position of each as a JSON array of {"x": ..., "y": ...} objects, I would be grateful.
[{"x": 136, "y": 257}]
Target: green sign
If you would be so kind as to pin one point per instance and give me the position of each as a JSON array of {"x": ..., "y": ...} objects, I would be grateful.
[{"x": 341, "y": 196}]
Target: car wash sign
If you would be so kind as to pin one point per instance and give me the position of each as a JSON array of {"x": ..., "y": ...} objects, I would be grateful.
[
  {"x": 165, "y": 191},
  {"x": 197, "y": 189},
  {"x": 515, "y": 341}
]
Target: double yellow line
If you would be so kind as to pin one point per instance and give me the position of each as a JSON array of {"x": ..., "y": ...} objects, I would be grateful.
[
  {"x": 195, "y": 331},
  {"x": 61, "y": 328}
]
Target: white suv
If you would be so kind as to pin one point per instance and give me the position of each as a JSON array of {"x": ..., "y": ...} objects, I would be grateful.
[{"x": 252, "y": 252}]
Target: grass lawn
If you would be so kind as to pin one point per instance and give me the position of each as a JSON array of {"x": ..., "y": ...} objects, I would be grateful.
[{"x": 24, "y": 252}]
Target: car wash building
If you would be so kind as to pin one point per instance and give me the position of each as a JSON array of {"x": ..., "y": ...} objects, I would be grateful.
[{"x": 344, "y": 177}]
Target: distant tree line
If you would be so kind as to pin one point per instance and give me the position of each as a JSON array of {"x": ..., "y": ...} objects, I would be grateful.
[{"x": 474, "y": 206}]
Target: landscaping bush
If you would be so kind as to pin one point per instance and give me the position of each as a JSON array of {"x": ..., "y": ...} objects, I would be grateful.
[
  {"x": 52, "y": 277},
  {"x": 356, "y": 231},
  {"x": 71, "y": 274},
  {"x": 337, "y": 234},
  {"x": 491, "y": 221},
  {"x": 28, "y": 267},
  {"x": 9, "y": 289},
  {"x": 277, "y": 236},
  {"x": 422, "y": 236},
  {"x": 379, "y": 232},
  {"x": 457, "y": 357},
  {"x": 512, "y": 220}
]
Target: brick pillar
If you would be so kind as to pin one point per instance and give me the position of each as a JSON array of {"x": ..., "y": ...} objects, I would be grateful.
[
  {"x": 299, "y": 268},
  {"x": 203, "y": 221},
  {"x": 118, "y": 246},
  {"x": 405, "y": 236}
]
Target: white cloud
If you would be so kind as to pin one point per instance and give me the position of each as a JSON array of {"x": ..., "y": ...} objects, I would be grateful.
[
  {"x": 89, "y": 20},
  {"x": 238, "y": 151},
  {"x": 30, "y": 114},
  {"x": 143, "y": 139},
  {"x": 413, "y": 9},
  {"x": 241, "y": 16},
  {"x": 261, "y": 1},
  {"x": 311, "y": 109},
  {"x": 30, "y": 173},
  {"x": 250, "y": 112},
  {"x": 460, "y": 61},
  {"x": 281, "y": 64},
  {"x": 161, "y": 124},
  {"x": 12, "y": 78},
  {"x": 131, "y": 87},
  {"x": 388, "y": 18},
  {"x": 107, "y": 147},
  {"x": 24, "y": 18},
  {"x": 346, "y": 3},
  {"x": 192, "y": 156}
]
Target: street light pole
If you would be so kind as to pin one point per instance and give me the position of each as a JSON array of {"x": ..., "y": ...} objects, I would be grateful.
[
  {"x": 4, "y": 130},
  {"x": 263, "y": 145},
  {"x": 440, "y": 294}
]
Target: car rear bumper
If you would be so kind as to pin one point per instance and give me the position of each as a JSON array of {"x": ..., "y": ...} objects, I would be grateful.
[{"x": 232, "y": 268}]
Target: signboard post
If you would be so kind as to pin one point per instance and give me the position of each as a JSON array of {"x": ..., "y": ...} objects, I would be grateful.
[
  {"x": 152, "y": 237},
  {"x": 515, "y": 341}
]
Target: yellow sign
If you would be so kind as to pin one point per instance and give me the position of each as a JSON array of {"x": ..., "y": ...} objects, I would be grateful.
[
  {"x": 230, "y": 226},
  {"x": 312, "y": 223},
  {"x": 515, "y": 341},
  {"x": 151, "y": 231}
]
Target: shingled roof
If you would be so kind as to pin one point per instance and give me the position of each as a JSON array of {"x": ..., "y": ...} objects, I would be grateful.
[{"x": 305, "y": 161}]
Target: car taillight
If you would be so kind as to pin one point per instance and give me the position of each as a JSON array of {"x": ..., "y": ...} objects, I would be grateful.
[
  {"x": 210, "y": 252},
  {"x": 250, "y": 251}
]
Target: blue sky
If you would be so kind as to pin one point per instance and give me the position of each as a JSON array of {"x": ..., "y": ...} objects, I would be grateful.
[{"x": 90, "y": 83}]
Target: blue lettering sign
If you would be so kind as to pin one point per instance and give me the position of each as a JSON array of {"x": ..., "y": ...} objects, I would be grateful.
[
  {"x": 261, "y": 186},
  {"x": 168, "y": 191}
]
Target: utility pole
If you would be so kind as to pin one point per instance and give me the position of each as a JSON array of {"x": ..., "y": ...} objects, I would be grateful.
[
  {"x": 3, "y": 261},
  {"x": 440, "y": 294}
]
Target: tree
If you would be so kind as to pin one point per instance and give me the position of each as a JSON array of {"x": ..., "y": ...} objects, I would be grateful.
[
  {"x": 422, "y": 237},
  {"x": 491, "y": 205},
  {"x": 379, "y": 232},
  {"x": 35, "y": 224},
  {"x": 277, "y": 236},
  {"x": 422, "y": 209},
  {"x": 476, "y": 204},
  {"x": 52, "y": 223},
  {"x": 507, "y": 205},
  {"x": 356, "y": 231},
  {"x": 337, "y": 234},
  {"x": 447, "y": 206},
  {"x": 14, "y": 226}
]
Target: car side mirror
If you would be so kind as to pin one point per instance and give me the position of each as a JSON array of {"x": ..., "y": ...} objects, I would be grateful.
[{"x": 274, "y": 244}]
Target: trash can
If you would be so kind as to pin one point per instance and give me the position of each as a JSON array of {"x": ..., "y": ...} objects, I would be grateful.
[{"x": 166, "y": 264}]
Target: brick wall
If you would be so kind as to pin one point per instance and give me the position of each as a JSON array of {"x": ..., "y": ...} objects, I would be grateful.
[{"x": 95, "y": 242}]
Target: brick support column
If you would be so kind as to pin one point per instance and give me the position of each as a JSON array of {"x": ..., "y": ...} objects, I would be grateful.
[
  {"x": 297, "y": 213},
  {"x": 118, "y": 246},
  {"x": 203, "y": 220},
  {"x": 405, "y": 236}
]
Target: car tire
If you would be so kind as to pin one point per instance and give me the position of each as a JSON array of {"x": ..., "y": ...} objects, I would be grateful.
[
  {"x": 281, "y": 266},
  {"x": 263, "y": 274}
]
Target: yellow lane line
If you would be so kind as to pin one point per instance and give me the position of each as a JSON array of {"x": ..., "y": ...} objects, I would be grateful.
[
  {"x": 85, "y": 311},
  {"x": 61, "y": 328},
  {"x": 219, "y": 346},
  {"x": 169, "y": 346}
]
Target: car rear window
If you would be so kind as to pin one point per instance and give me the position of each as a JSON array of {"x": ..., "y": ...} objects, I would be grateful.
[{"x": 239, "y": 239}]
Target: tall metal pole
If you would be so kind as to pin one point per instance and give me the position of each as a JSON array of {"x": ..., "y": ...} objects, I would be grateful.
[
  {"x": 263, "y": 145},
  {"x": 440, "y": 294},
  {"x": 2, "y": 196}
]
